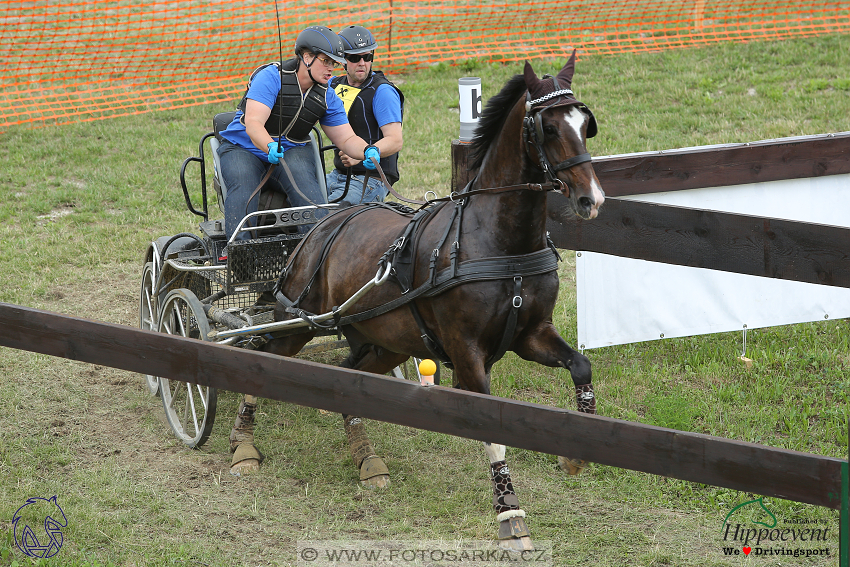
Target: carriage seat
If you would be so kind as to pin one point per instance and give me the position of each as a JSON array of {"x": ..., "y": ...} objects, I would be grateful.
[{"x": 220, "y": 123}]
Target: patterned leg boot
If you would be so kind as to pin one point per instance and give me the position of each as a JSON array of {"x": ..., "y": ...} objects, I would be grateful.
[
  {"x": 586, "y": 403},
  {"x": 513, "y": 531}
]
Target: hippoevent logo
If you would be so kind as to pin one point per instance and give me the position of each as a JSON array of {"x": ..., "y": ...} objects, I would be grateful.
[
  {"x": 27, "y": 530},
  {"x": 751, "y": 529}
]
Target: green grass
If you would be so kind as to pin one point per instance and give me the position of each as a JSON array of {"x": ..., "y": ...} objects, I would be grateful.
[{"x": 134, "y": 496}]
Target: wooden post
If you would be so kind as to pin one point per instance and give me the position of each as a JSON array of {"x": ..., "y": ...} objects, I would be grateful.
[
  {"x": 844, "y": 516},
  {"x": 460, "y": 163}
]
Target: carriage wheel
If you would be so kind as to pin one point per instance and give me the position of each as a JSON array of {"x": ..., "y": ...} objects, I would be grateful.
[
  {"x": 147, "y": 316},
  {"x": 189, "y": 408}
]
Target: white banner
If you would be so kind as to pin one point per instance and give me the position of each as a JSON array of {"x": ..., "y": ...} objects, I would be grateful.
[{"x": 621, "y": 300}]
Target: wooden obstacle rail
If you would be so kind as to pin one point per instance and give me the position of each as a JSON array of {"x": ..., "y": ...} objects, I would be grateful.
[
  {"x": 744, "y": 244},
  {"x": 780, "y": 473}
]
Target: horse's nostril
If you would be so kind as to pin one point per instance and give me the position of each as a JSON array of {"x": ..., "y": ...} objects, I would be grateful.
[{"x": 585, "y": 202}]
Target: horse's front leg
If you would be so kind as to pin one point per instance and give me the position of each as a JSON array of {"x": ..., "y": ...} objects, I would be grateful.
[
  {"x": 544, "y": 345},
  {"x": 513, "y": 531}
]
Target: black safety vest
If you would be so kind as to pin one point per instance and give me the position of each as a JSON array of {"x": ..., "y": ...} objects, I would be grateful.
[
  {"x": 293, "y": 116},
  {"x": 364, "y": 123}
]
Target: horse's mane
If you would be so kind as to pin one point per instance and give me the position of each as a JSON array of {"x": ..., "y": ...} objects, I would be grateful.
[{"x": 493, "y": 118}]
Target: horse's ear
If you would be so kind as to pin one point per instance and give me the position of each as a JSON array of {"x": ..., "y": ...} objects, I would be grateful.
[
  {"x": 565, "y": 75},
  {"x": 531, "y": 80}
]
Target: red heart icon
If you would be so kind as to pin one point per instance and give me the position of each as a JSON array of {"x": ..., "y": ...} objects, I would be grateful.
[{"x": 747, "y": 550}]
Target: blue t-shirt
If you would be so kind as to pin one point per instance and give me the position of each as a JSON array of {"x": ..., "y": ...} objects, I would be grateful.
[
  {"x": 264, "y": 89},
  {"x": 386, "y": 105}
]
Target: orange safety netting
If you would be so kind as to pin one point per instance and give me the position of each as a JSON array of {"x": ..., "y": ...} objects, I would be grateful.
[{"x": 67, "y": 61}]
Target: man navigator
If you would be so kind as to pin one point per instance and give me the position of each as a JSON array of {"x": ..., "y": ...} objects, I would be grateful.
[{"x": 374, "y": 106}]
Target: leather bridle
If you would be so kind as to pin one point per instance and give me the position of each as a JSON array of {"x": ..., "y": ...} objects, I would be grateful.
[{"x": 532, "y": 133}]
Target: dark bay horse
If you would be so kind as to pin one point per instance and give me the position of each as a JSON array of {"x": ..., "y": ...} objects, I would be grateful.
[{"x": 482, "y": 258}]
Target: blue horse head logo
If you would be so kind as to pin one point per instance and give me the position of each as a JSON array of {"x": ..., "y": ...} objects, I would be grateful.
[{"x": 39, "y": 545}]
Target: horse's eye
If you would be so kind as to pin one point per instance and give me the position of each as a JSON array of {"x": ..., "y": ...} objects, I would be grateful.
[{"x": 550, "y": 131}]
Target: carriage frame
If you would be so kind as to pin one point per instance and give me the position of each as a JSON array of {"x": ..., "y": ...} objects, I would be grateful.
[{"x": 189, "y": 289}]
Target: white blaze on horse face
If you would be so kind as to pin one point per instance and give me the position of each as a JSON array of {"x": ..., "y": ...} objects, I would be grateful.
[
  {"x": 494, "y": 452},
  {"x": 575, "y": 119}
]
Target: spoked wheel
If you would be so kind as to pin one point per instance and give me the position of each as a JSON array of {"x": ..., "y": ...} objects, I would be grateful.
[
  {"x": 189, "y": 408},
  {"x": 147, "y": 315}
]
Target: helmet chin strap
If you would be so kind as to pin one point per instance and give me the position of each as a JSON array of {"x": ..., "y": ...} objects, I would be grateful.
[{"x": 309, "y": 71}]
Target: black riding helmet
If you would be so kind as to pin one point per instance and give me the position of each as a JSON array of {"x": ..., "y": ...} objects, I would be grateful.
[
  {"x": 357, "y": 39},
  {"x": 319, "y": 39}
]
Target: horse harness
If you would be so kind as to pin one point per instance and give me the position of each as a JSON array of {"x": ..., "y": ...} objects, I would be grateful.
[{"x": 401, "y": 254}]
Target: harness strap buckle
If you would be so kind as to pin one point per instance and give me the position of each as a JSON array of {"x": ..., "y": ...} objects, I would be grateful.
[{"x": 517, "y": 301}]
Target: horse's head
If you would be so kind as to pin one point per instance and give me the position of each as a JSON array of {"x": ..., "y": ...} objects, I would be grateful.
[{"x": 555, "y": 129}]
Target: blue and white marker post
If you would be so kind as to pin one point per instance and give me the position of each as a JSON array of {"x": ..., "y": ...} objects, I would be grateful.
[
  {"x": 470, "y": 106},
  {"x": 470, "y": 110}
]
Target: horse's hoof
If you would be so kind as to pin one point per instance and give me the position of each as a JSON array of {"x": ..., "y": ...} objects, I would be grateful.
[
  {"x": 380, "y": 481},
  {"x": 374, "y": 473},
  {"x": 571, "y": 466},
  {"x": 246, "y": 460},
  {"x": 514, "y": 534},
  {"x": 245, "y": 467},
  {"x": 517, "y": 544}
]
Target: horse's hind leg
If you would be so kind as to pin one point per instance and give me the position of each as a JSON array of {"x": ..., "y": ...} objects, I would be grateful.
[
  {"x": 373, "y": 471},
  {"x": 513, "y": 531},
  {"x": 545, "y": 346},
  {"x": 246, "y": 457}
]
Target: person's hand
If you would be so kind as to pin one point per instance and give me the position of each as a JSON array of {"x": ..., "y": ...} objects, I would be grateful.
[
  {"x": 371, "y": 153},
  {"x": 347, "y": 160},
  {"x": 274, "y": 153}
]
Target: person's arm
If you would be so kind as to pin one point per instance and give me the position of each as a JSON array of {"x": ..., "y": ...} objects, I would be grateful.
[
  {"x": 256, "y": 115},
  {"x": 387, "y": 109},
  {"x": 391, "y": 143},
  {"x": 344, "y": 138}
]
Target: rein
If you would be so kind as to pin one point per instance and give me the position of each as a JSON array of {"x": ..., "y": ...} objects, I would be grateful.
[{"x": 400, "y": 257}]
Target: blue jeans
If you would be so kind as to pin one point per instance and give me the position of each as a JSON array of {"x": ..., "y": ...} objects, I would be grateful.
[
  {"x": 375, "y": 189},
  {"x": 242, "y": 171}
]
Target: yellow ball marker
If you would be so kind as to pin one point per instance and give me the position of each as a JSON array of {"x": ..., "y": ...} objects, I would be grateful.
[{"x": 427, "y": 369}]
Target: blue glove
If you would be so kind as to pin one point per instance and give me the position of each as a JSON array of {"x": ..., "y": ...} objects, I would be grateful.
[
  {"x": 274, "y": 153},
  {"x": 369, "y": 154}
]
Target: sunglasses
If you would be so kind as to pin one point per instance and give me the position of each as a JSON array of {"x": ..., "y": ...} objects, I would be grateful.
[{"x": 356, "y": 57}]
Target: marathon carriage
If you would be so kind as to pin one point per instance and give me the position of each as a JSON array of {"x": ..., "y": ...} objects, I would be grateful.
[
  {"x": 474, "y": 276},
  {"x": 189, "y": 289}
]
